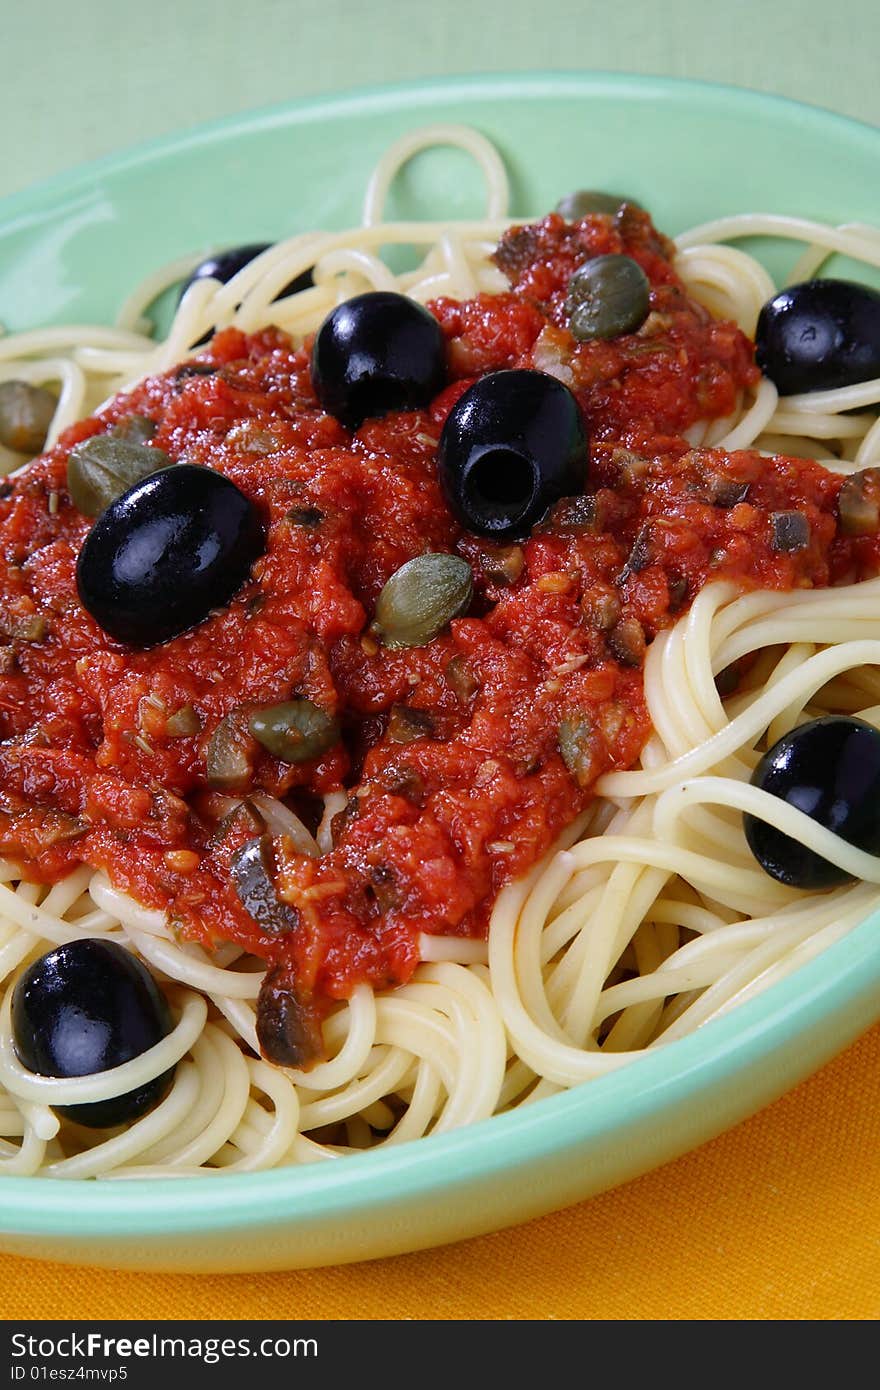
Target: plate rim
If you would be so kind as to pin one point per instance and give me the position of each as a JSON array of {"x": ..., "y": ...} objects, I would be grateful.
[
  {"x": 488, "y": 85},
  {"x": 822, "y": 988}
]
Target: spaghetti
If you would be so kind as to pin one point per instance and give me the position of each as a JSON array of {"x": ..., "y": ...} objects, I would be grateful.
[{"x": 650, "y": 916}]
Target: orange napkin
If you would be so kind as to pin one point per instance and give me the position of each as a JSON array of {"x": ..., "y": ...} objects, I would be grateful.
[{"x": 778, "y": 1219}]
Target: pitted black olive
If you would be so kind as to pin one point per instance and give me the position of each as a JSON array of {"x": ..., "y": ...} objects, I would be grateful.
[
  {"x": 819, "y": 335},
  {"x": 830, "y": 769},
  {"x": 377, "y": 352},
  {"x": 87, "y": 1007},
  {"x": 169, "y": 550},
  {"x": 512, "y": 446},
  {"x": 225, "y": 265}
]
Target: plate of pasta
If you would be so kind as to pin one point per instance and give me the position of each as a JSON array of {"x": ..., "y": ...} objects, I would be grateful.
[{"x": 439, "y": 660}]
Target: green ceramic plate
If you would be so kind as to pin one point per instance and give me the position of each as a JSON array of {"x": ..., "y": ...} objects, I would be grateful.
[{"x": 71, "y": 249}]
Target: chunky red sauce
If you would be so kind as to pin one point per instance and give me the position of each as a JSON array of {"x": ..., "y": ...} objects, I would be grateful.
[{"x": 447, "y": 805}]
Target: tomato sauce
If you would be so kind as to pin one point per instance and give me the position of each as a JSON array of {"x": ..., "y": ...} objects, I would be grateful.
[{"x": 461, "y": 761}]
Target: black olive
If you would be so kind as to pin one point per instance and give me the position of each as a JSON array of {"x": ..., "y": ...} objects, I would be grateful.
[
  {"x": 512, "y": 446},
  {"x": 166, "y": 552},
  {"x": 819, "y": 335},
  {"x": 377, "y": 352},
  {"x": 224, "y": 265},
  {"x": 188, "y": 370},
  {"x": 86, "y": 1007},
  {"x": 288, "y": 1026},
  {"x": 830, "y": 769},
  {"x": 791, "y": 531},
  {"x": 858, "y": 503},
  {"x": 253, "y": 876}
]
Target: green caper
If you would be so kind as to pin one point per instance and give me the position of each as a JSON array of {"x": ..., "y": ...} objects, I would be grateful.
[
  {"x": 29, "y": 628},
  {"x": 421, "y": 598},
  {"x": 183, "y": 723},
  {"x": 25, "y": 416},
  {"x": 607, "y": 296},
  {"x": 100, "y": 469},
  {"x": 135, "y": 429},
  {"x": 575, "y": 745},
  {"x": 295, "y": 731},
  {"x": 584, "y": 201}
]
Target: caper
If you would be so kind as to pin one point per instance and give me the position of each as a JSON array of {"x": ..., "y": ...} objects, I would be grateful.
[
  {"x": 295, "y": 731},
  {"x": 102, "y": 468},
  {"x": 584, "y": 201},
  {"x": 421, "y": 598},
  {"x": 575, "y": 745},
  {"x": 183, "y": 723},
  {"x": 25, "y": 416},
  {"x": 135, "y": 429},
  {"x": 607, "y": 296}
]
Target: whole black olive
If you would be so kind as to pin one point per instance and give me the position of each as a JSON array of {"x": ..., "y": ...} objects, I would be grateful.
[
  {"x": 86, "y": 1007},
  {"x": 512, "y": 446},
  {"x": 819, "y": 335},
  {"x": 163, "y": 555},
  {"x": 830, "y": 769},
  {"x": 377, "y": 352},
  {"x": 224, "y": 265}
]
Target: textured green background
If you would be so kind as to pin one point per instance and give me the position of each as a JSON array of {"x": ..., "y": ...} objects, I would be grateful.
[{"x": 80, "y": 80}]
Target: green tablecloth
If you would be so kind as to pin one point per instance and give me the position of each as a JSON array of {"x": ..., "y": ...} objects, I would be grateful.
[{"x": 83, "y": 80}]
